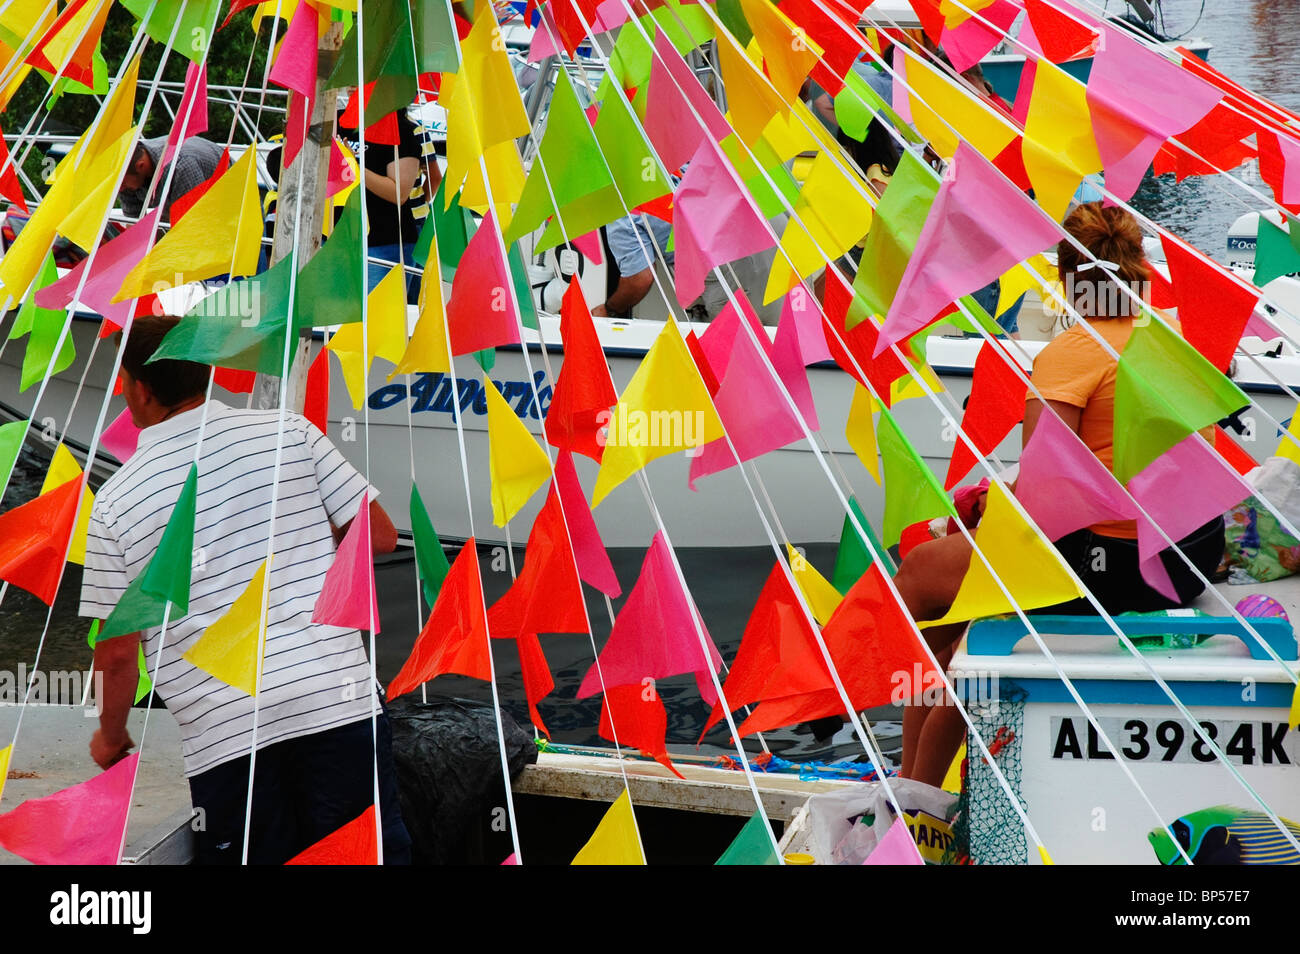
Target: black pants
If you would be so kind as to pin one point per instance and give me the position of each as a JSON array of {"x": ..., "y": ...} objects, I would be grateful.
[
  {"x": 1108, "y": 566},
  {"x": 304, "y": 789}
]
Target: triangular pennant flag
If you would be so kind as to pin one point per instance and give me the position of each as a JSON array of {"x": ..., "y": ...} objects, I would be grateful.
[
  {"x": 752, "y": 846},
  {"x": 427, "y": 349},
  {"x": 10, "y": 187},
  {"x": 860, "y": 430},
  {"x": 969, "y": 40},
  {"x": 853, "y": 558},
  {"x": 789, "y": 359},
  {"x": 615, "y": 840},
  {"x": 316, "y": 402},
  {"x": 1061, "y": 37},
  {"x": 5, "y": 753},
  {"x": 63, "y": 468},
  {"x": 1059, "y": 148},
  {"x": 81, "y": 825},
  {"x": 385, "y": 333},
  {"x": 517, "y": 463},
  {"x": 185, "y": 25},
  {"x": 481, "y": 312},
  {"x": 537, "y": 678},
  {"x": 356, "y": 843},
  {"x": 752, "y": 101},
  {"x": 1232, "y": 452},
  {"x": 947, "y": 113},
  {"x": 852, "y": 345},
  {"x": 634, "y": 715},
  {"x": 778, "y": 654},
  {"x": 996, "y": 405},
  {"x": 675, "y": 99},
  {"x": 546, "y": 597},
  {"x": 978, "y": 227},
  {"x": 221, "y": 234},
  {"x": 430, "y": 560},
  {"x": 43, "y": 328},
  {"x": 1279, "y": 166},
  {"x": 895, "y": 848},
  {"x": 192, "y": 113},
  {"x": 594, "y": 567},
  {"x": 1164, "y": 390},
  {"x": 121, "y": 437},
  {"x": 1275, "y": 254},
  {"x": 1020, "y": 557},
  {"x": 12, "y": 436},
  {"x": 1217, "y": 142},
  {"x": 912, "y": 493},
  {"x": 34, "y": 539},
  {"x": 655, "y": 635},
  {"x": 665, "y": 408},
  {"x": 69, "y": 44},
  {"x": 348, "y": 596},
  {"x": 1213, "y": 309},
  {"x": 584, "y": 392},
  {"x": 789, "y": 54},
  {"x": 108, "y": 269},
  {"x": 455, "y": 638},
  {"x": 166, "y": 578},
  {"x": 295, "y": 69},
  {"x": 833, "y": 26},
  {"x": 389, "y": 58},
  {"x": 230, "y": 649},
  {"x": 822, "y": 598}
]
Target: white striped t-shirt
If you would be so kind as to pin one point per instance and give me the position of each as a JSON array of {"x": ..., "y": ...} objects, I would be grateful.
[{"x": 314, "y": 677}]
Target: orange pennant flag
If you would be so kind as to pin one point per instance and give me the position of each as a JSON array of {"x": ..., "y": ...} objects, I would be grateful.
[
  {"x": 356, "y": 843},
  {"x": 34, "y": 540}
]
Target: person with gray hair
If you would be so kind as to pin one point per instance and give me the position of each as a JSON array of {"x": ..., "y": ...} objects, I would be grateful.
[{"x": 195, "y": 161}]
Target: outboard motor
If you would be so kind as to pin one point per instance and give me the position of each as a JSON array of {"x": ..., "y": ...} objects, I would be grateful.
[{"x": 1243, "y": 235}]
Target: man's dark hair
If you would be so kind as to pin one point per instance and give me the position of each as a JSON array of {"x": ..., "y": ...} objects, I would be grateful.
[{"x": 170, "y": 381}]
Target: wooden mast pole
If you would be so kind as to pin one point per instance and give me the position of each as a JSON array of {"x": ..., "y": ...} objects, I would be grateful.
[{"x": 310, "y": 201}]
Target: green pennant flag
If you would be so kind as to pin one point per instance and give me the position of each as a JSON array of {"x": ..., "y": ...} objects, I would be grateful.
[
  {"x": 523, "y": 288},
  {"x": 43, "y": 327},
  {"x": 331, "y": 287},
  {"x": 430, "y": 560},
  {"x": 487, "y": 358},
  {"x": 167, "y": 576},
  {"x": 436, "y": 47},
  {"x": 912, "y": 493},
  {"x": 895, "y": 230},
  {"x": 857, "y": 104},
  {"x": 854, "y": 558},
  {"x": 766, "y": 196},
  {"x": 753, "y": 846},
  {"x": 574, "y": 166},
  {"x": 453, "y": 226},
  {"x": 1275, "y": 253},
  {"x": 389, "y": 57},
  {"x": 11, "y": 443},
  {"x": 192, "y": 20},
  {"x": 637, "y": 177},
  {"x": 733, "y": 18},
  {"x": 1164, "y": 390},
  {"x": 143, "y": 684}
]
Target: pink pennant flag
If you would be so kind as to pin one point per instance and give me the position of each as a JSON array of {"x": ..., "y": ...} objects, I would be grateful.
[
  {"x": 654, "y": 635},
  {"x": 121, "y": 437},
  {"x": 111, "y": 264},
  {"x": 1062, "y": 484},
  {"x": 481, "y": 313},
  {"x": 81, "y": 825},
  {"x": 1137, "y": 100},
  {"x": 340, "y": 173},
  {"x": 1181, "y": 490},
  {"x": 715, "y": 221},
  {"x": 295, "y": 69},
  {"x": 754, "y": 412},
  {"x": 1279, "y": 161},
  {"x": 901, "y": 99},
  {"x": 789, "y": 360},
  {"x": 192, "y": 114},
  {"x": 972, "y": 39},
  {"x": 589, "y": 246},
  {"x": 672, "y": 105},
  {"x": 801, "y": 312},
  {"x": 589, "y": 552},
  {"x": 979, "y": 226},
  {"x": 1024, "y": 92},
  {"x": 511, "y": 859},
  {"x": 347, "y": 597},
  {"x": 896, "y": 848}
]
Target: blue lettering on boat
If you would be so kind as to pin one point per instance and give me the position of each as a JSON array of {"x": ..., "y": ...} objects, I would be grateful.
[{"x": 435, "y": 391}]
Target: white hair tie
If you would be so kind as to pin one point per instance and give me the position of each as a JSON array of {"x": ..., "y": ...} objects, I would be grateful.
[{"x": 1101, "y": 263}]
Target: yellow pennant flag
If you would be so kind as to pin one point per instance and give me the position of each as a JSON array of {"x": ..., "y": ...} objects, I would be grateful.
[
  {"x": 228, "y": 649},
  {"x": 114, "y": 118},
  {"x": 1022, "y": 278},
  {"x": 96, "y": 181},
  {"x": 751, "y": 100},
  {"x": 427, "y": 349},
  {"x": 934, "y": 95},
  {"x": 822, "y": 598},
  {"x": 385, "y": 333},
  {"x": 789, "y": 136},
  {"x": 1293, "y": 719},
  {"x": 664, "y": 409},
  {"x": 831, "y": 215},
  {"x": 909, "y": 385},
  {"x": 221, "y": 233},
  {"x": 1059, "y": 149},
  {"x": 1288, "y": 447},
  {"x": 1027, "y": 564},
  {"x": 84, "y": 25},
  {"x": 615, "y": 840},
  {"x": 5, "y": 753},
  {"x": 861, "y": 430},
  {"x": 63, "y": 468},
  {"x": 1042, "y": 853},
  {"x": 788, "y": 53},
  {"x": 505, "y": 176},
  {"x": 482, "y": 101},
  {"x": 517, "y": 462},
  {"x": 955, "y": 14}
]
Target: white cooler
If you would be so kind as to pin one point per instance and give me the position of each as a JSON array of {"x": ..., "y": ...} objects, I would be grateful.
[{"x": 1081, "y": 803}]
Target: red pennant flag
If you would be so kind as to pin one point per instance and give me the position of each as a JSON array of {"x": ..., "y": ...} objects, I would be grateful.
[
  {"x": 183, "y": 202},
  {"x": 641, "y": 721},
  {"x": 538, "y": 682},
  {"x": 356, "y": 843},
  {"x": 1061, "y": 37},
  {"x": 1278, "y": 161},
  {"x": 996, "y": 405},
  {"x": 1212, "y": 308},
  {"x": 589, "y": 550},
  {"x": 481, "y": 312},
  {"x": 234, "y": 380},
  {"x": 584, "y": 392},
  {"x": 1011, "y": 160},
  {"x": 381, "y": 132},
  {"x": 34, "y": 540},
  {"x": 316, "y": 405},
  {"x": 832, "y": 25},
  {"x": 1218, "y": 138},
  {"x": 1162, "y": 292},
  {"x": 10, "y": 187},
  {"x": 778, "y": 654},
  {"x": 931, "y": 17},
  {"x": 455, "y": 639},
  {"x": 702, "y": 363},
  {"x": 870, "y": 639},
  {"x": 80, "y": 67},
  {"x": 859, "y": 342},
  {"x": 1233, "y": 452},
  {"x": 546, "y": 597}
]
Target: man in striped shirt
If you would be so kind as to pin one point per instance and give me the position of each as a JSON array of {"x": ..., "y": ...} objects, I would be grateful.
[{"x": 311, "y": 721}]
